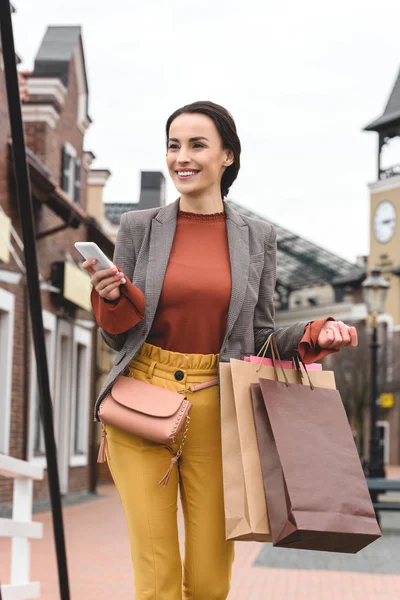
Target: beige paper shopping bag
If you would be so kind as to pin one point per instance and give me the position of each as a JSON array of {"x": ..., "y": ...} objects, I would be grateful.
[
  {"x": 237, "y": 520},
  {"x": 243, "y": 375}
]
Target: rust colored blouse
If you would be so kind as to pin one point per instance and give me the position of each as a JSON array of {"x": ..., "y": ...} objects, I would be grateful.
[{"x": 192, "y": 311}]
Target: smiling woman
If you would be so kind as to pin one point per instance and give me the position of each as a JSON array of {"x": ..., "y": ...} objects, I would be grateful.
[
  {"x": 203, "y": 150},
  {"x": 199, "y": 289}
]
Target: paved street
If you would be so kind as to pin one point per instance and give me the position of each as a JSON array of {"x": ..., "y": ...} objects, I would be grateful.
[{"x": 99, "y": 562}]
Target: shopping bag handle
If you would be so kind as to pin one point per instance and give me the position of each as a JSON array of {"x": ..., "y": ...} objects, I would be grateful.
[
  {"x": 271, "y": 341},
  {"x": 297, "y": 359},
  {"x": 266, "y": 344}
]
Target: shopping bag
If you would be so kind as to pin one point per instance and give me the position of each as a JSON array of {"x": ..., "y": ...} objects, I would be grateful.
[
  {"x": 243, "y": 375},
  {"x": 237, "y": 518},
  {"x": 315, "y": 488}
]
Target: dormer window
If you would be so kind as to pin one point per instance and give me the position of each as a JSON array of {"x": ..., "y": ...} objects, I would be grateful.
[{"x": 70, "y": 172}]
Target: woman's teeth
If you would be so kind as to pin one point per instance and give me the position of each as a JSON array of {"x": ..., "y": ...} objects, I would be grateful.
[{"x": 186, "y": 173}]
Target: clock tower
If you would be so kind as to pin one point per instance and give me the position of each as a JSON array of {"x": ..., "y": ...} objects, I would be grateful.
[{"x": 385, "y": 204}]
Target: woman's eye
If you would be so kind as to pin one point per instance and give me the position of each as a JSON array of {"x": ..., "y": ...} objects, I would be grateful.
[{"x": 197, "y": 144}]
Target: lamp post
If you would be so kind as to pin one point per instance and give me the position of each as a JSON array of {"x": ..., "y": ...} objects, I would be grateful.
[{"x": 375, "y": 289}]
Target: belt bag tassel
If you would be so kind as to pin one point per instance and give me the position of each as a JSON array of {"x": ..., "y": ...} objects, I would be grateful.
[{"x": 148, "y": 411}]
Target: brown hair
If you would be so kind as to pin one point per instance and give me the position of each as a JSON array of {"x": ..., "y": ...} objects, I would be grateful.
[{"x": 227, "y": 130}]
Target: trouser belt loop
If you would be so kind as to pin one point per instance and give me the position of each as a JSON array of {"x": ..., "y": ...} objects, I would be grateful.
[
  {"x": 151, "y": 369},
  {"x": 201, "y": 386}
]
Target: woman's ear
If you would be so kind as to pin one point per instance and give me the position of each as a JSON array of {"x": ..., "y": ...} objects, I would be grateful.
[{"x": 229, "y": 158}]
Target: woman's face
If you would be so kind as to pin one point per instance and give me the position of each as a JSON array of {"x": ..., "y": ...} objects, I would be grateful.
[{"x": 196, "y": 159}]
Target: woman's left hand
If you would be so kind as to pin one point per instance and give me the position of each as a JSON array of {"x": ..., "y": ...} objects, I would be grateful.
[{"x": 335, "y": 335}]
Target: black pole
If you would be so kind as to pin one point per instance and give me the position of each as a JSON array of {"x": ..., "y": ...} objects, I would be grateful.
[
  {"x": 26, "y": 215},
  {"x": 376, "y": 466}
]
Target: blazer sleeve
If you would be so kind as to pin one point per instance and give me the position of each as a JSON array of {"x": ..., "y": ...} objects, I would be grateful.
[
  {"x": 125, "y": 258},
  {"x": 288, "y": 338}
]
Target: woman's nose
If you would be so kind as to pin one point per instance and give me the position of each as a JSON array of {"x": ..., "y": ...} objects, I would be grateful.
[{"x": 183, "y": 156}]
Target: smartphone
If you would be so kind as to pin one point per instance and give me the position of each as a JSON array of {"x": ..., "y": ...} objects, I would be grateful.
[{"x": 91, "y": 250}]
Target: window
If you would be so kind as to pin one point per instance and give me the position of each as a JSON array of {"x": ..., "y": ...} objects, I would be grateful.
[
  {"x": 7, "y": 302},
  {"x": 80, "y": 401},
  {"x": 68, "y": 349},
  {"x": 70, "y": 172},
  {"x": 36, "y": 447}
]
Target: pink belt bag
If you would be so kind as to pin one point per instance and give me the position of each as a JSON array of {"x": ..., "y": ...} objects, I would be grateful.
[{"x": 148, "y": 411}]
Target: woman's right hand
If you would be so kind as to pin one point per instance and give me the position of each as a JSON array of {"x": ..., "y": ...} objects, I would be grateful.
[{"x": 106, "y": 282}]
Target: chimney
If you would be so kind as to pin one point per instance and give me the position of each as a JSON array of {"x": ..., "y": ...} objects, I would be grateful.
[
  {"x": 152, "y": 190},
  {"x": 97, "y": 179}
]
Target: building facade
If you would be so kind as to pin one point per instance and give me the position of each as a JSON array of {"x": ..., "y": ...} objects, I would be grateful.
[{"x": 54, "y": 99}]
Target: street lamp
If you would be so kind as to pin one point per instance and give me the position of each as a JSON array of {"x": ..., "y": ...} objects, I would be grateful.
[{"x": 375, "y": 289}]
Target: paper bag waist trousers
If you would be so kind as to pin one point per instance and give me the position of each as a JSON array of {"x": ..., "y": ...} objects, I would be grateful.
[{"x": 137, "y": 465}]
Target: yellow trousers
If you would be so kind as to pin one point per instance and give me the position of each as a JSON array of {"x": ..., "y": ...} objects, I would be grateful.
[{"x": 137, "y": 465}]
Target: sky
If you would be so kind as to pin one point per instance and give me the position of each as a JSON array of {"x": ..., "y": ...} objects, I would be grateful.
[{"x": 301, "y": 80}]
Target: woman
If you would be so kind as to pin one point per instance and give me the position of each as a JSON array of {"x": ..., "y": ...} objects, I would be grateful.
[{"x": 197, "y": 282}]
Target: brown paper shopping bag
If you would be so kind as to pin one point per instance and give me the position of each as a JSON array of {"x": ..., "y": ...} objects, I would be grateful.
[
  {"x": 243, "y": 375},
  {"x": 315, "y": 488}
]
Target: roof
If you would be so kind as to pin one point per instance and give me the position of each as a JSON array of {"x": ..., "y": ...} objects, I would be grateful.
[
  {"x": 56, "y": 50},
  {"x": 301, "y": 263},
  {"x": 354, "y": 277},
  {"x": 391, "y": 114},
  {"x": 114, "y": 210}
]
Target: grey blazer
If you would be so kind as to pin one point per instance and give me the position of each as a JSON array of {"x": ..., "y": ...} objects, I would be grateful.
[{"x": 142, "y": 251}]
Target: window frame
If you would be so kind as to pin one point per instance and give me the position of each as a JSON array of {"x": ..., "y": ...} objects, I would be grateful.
[
  {"x": 83, "y": 337},
  {"x": 73, "y": 174},
  {"x": 7, "y": 317},
  {"x": 50, "y": 328}
]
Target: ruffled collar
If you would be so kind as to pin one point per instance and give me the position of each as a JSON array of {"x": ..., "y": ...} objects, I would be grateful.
[{"x": 191, "y": 216}]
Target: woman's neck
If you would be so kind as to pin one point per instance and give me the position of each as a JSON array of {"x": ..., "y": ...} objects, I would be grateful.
[{"x": 202, "y": 204}]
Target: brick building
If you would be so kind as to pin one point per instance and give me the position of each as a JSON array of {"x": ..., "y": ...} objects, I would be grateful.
[{"x": 54, "y": 100}]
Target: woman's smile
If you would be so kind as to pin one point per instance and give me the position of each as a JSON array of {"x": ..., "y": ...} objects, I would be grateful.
[{"x": 186, "y": 173}]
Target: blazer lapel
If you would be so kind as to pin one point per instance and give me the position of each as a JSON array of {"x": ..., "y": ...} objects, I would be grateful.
[
  {"x": 161, "y": 237},
  {"x": 239, "y": 255}
]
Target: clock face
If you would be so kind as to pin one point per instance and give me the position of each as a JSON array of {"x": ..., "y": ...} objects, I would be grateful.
[{"x": 384, "y": 222}]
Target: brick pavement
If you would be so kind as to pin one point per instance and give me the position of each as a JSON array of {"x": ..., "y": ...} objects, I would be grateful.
[{"x": 99, "y": 563}]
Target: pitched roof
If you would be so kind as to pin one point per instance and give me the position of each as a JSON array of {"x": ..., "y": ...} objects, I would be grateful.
[
  {"x": 391, "y": 114},
  {"x": 56, "y": 50}
]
